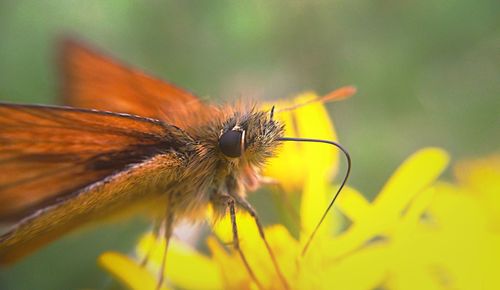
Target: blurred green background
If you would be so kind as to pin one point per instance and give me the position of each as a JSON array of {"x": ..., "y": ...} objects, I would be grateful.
[{"x": 428, "y": 73}]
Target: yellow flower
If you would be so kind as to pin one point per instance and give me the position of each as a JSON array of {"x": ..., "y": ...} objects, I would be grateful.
[
  {"x": 447, "y": 238},
  {"x": 339, "y": 260},
  {"x": 418, "y": 233}
]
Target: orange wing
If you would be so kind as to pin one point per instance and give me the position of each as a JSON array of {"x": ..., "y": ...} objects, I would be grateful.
[
  {"x": 47, "y": 153},
  {"x": 94, "y": 81}
]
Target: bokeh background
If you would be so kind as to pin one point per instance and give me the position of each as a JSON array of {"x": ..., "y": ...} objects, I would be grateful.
[{"x": 428, "y": 73}]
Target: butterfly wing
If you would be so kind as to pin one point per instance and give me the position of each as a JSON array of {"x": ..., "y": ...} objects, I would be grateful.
[
  {"x": 61, "y": 167},
  {"x": 92, "y": 80}
]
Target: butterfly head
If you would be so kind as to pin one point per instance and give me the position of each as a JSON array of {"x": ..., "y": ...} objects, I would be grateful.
[{"x": 252, "y": 136}]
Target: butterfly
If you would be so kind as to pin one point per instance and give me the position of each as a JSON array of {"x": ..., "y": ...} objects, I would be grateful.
[{"x": 126, "y": 143}]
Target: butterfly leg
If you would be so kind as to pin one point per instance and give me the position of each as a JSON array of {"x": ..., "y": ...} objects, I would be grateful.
[
  {"x": 236, "y": 242},
  {"x": 243, "y": 203},
  {"x": 168, "y": 227},
  {"x": 156, "y": 232}
]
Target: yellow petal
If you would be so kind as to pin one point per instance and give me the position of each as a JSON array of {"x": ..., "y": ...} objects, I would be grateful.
[
  {"x": 414, "y": 175},
  {"x": 130, "y": 274},
  {"x": 287, "y": 167},
  {"x": 482, "y": 180},
  {"x": 353, "y": 204},
  {"x": 313, "y": 121},
  {"x": 319, "y": 164},
  {"x": 419, "y": 205},
  {"x": 298, "y": 160},
  {"x": 482, "y": 176},
  {"x": 236, "y": 276},
  {"x": 249, "y": 240},
  {"x": 364, "y": 269},
  {"x": 315, "y": 199},
  {"x": 233, "y": 272},
  {"x": 247, "y": 228},
  {"x": 183, "y": 263},
  {"x": 413, "y": 278},
  {"x": 456, "y": 210}
]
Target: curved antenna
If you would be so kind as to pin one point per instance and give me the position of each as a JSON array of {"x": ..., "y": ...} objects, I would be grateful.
[{"x": 348, "y": 171}]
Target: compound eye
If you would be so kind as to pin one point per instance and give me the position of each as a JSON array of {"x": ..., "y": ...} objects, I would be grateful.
[{"x": 231, "y": 143}]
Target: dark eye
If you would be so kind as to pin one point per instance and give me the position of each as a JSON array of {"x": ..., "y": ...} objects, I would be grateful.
[{"x": 230, "y": 143}]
